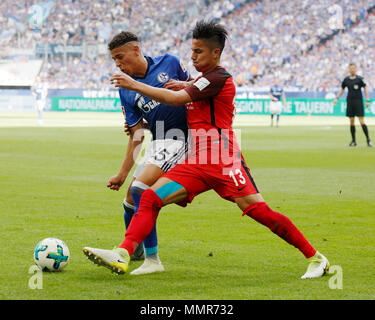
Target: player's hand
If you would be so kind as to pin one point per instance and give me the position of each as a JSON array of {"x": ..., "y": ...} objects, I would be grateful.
[
  {"x": 122, "y": 80},
  {"x": 334, "y": 102},
  {"x": 367, "y": 103},
  {"x": 126, "y": 128},
  {"x": 175, "y": 85},
  {"x": 145, "y": 125},
  {"x": 115, "y": 182}
]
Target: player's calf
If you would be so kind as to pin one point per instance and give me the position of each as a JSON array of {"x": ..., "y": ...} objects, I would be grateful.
[
  {"x": 280, "y": 225},
  {"x": 143, "y": 222},
  {"x": 151, "y": 242}
]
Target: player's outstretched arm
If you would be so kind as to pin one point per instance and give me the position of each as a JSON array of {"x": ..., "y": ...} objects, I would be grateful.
[
  {"x": 132, "y": 151},
  {"x": 177, "y": 85},
  {"x": 165, "y": 96}
]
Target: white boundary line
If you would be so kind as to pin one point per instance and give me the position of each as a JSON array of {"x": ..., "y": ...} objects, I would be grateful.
[{"x": 115, "y": 119}]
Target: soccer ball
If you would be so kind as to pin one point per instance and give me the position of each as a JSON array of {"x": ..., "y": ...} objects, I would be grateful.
[{"x": 51, "y": 254}]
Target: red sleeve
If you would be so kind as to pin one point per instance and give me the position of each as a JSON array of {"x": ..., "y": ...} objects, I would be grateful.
[{"x": 208, "y": 85}]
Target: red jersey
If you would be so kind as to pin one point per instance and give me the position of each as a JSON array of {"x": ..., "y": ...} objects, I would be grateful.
[
  {"x": 210, "y": 117},
  {"x": 215, "y": 161},
  {"x": 213, "y": 97}
]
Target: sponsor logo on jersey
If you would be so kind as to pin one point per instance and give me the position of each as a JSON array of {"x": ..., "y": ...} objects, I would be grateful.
[
  {"x": 201, "y": 83},
  {"x": 190, "y": 105},
  {"x": 145, "y": 107},
  {"x": 356, "y": 87}
]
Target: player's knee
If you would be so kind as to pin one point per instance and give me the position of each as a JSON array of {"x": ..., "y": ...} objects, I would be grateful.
[
  {"x": 128, "y": 199},
  {"x": 138, "y": 188},
  {"x": 128, "y": 206},
  {"x": 149, "y": 200}
]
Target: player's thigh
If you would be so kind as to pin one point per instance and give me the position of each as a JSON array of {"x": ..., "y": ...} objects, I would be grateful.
[
  {"x": 191, "y": 177},
  {"x": 150, "y": 174},
  {"x": 246, "y": 201},
  {"x": 276, "y": 107},
  {"x": 361, "y": 120},
  {"x": 233, "y": 183},
  {"x": 166, "y": 153},
  {"x": 160, "y": 156},
  {"x": 351, "y": 121},
  {"x": 169, "y": 191},
  {"x": 141, "y": 165}
]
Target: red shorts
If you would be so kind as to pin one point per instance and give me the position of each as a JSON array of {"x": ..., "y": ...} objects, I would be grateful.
[{"x": 229, "y": 181}]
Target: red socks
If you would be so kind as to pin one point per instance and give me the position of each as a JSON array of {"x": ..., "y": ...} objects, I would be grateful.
[
  {"x": 150, "y": 205},
  {"x": 143, "y": 221},
  {"x": 280, "y": 225}
]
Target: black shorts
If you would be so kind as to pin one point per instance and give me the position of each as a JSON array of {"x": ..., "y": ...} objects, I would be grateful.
[{"x": 355, "y": 108}]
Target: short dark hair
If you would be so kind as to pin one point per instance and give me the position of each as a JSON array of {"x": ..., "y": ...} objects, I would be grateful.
[
  {"x": 121, "y": 39},
  {"x": 212, "y": 31}
]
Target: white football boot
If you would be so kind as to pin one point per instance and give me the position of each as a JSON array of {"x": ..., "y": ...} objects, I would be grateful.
[
  {"x": 317, "y": 267},
  {"x": 149, "y": 266},
  {"x": 117, "y": 260}
]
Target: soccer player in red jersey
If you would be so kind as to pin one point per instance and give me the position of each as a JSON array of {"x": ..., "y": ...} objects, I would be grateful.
[{"x": 215, "y": 161}]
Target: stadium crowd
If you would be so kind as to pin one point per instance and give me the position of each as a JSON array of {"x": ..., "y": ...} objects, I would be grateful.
[
  {"x": 326, "y": 63},
  {"x": 306, "y": 44}
]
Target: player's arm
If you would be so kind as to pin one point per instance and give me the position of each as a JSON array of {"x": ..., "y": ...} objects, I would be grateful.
[
  {"x": 338, "y": 96},
  {"x": 367, "y": 103},
  {"x": 136, "y": 136},
  {"x": 177, "y": 85},
  {"x": 271, "y": 96},
  {"x": 45, "y": 93},
  {"x": 162, "y": 95}
]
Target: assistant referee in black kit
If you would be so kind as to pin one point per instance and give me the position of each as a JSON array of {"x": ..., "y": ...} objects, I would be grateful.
[{"x": 354, "y": 100}]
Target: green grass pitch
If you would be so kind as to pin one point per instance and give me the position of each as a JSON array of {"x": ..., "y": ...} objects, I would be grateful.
[{"x": 53, "y": 184}]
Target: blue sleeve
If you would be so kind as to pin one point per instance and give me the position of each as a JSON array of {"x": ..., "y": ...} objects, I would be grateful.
[
  {"x": 132, "y": 115},
  {"x": 182, "y": 72}
]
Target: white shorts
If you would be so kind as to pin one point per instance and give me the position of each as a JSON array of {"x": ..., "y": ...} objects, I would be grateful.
[
  {"x": 276, "y": 107},
  {"x": 163, "y": 153},
  {"x": 40, "y": 104}
]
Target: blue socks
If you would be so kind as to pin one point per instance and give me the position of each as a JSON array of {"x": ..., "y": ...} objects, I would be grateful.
[
  {"x": 151, "y": 242},
  {"x": 128, "y": 213}
]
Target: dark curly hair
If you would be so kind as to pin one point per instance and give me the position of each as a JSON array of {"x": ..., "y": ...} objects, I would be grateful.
[
  {"x": 121, "y": 39},
  {"x": 211, "y": 31}
]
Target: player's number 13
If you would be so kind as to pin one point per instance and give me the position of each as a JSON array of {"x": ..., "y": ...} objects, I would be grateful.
[{"x": 241, "y": 178}]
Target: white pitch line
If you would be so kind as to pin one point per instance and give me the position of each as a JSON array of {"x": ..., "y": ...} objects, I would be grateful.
[{"x": 115, "y": 119}]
